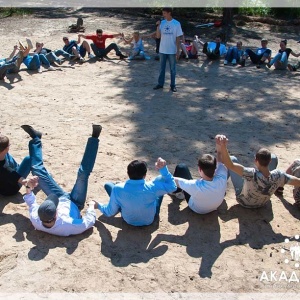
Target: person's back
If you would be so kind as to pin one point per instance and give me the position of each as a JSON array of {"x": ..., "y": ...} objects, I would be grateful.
[
  {"x": 258, "y": 189},
  {"x": 204, "y": 195},
  {"x": 139, "y": 200}
]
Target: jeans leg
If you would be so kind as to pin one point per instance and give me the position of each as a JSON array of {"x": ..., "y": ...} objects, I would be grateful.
[
  {"x": 97, "y": 51},
  {"x": 183, "y": 171},
  {"x": 51, "y": 57},
  {"x": 274, "y": 162},
  {"x": 44, "y": 60},
  {"x": 46, "y": 182},
  {"x": 236, "y": 179},
  {"x": 35, "y": 63},
  {"x": 109, "y": 187},
  {"x": 275, "y": 58},
  {"x": 172, "y": 63},
  {"x": 24, "y": 167},
  {"x": 79, "y": 191},
  {"x": 4, "y": 69},
  {"x": 162, "y": 72},
  {"x": 113, "y": 46},
  {"x": 63, "y": 53},
  {"x": 228, "y": 56}
]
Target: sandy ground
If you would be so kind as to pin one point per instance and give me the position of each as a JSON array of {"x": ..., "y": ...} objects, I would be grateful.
[{"x": 224, "y": 251}]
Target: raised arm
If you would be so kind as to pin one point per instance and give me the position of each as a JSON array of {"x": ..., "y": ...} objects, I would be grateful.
[
  {"x": 13, "y": 52},
  {"x": 295, "y": 54},
  {"x": 237, "y": 168}
]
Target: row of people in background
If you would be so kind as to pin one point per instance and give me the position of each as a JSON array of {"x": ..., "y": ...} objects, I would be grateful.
[{"x": 138, "y": 200}]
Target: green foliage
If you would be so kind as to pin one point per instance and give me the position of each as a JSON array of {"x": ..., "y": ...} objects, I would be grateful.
[
  {"x": 255, "y": 11},
  {"x": 286, "y": 12},
  {"x": 10, "y": 11}
]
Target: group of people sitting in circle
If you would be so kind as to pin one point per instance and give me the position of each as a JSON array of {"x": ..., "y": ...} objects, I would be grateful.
[
  {"x": 138, "y": 200},
  {"x": 191, "y": 48}
]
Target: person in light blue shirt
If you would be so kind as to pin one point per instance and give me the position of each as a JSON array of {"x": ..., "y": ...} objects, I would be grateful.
[
  {"x": 234, "y": 54},
  {"x": 215, "y": 49},
  {"x": 139, "y": 200}
]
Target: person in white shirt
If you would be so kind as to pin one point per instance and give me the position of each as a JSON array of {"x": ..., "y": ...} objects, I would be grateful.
[
  {"x": 169, "y": 31},
  {"x": 60, "y": 214},
  {"x": 214, "y": 49},
  {"x": 206, "y": 194}
]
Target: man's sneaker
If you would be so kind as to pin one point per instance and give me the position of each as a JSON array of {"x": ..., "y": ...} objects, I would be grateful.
[
  {"x": 225, "y": 62},
  {"x": 81, "y": 60},
  {"x": 243, "y": 62},
  {"x": 233, "y": 61},
  {"x": 91, "y": 55},
  {"x": 269, "y": 65},
  {"x": 51, "y": 68},
  {"x": 29, "y": 43},
  {"x": 177, "y": 196},
  {"x": 40, "y": 70},
  {"x": 174, "y": 89},
  {"x": 122, "y": 56}
]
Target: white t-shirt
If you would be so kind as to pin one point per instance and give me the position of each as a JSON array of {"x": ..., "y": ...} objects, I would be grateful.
[
  {"x": 206, "y": 196},
  {"x": 169, "y": 31}
]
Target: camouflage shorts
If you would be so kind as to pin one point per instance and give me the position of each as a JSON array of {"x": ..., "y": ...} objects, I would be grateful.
[{"x": 296, "y": 173}]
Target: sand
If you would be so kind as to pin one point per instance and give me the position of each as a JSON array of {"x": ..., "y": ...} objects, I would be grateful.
[{"x": 226, "y": 251}]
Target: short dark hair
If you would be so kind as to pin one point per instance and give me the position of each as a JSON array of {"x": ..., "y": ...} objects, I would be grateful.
[
  {"x": 168, "y": 9},
  {"x": 284, "y": 41},
  {"x": 207, "y": 163},
  {"x": 263, "y": 156},
  {"x": 99, "y": 31},
  {"x": 4, "y": 142},
  {"x": 137, "y": 169}
]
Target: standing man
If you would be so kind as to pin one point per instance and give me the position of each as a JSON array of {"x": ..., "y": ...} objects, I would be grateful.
[
  {"x": 98, "y": 44},
  {"x": 170, "y": 34}
]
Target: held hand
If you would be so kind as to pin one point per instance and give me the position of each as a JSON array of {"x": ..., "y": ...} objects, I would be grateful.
[
  {"x": 16, "y": 47},
  {"x": 160, "y": 163},
  {"x": 93, "y": 203}
]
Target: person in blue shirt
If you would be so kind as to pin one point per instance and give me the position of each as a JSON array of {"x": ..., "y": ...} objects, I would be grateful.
[
  {"x": 234, "y": 54},
  {"x": 259, "y": 56},
  {"x": 139, "y": 200}
]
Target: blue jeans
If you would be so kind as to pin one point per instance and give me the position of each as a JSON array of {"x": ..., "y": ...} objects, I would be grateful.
[
  {"x": 172, "y": 62},
  {"x": 103, "y": 52},
  {"x": 238, "y": 181},
  {"x": 49, "y": 185},
  {"x": 282, "y": 57},
  {"x": 22, "y": 169},
  {"x": 232, "y": 53},
  {"x": 37, "y": 60},
  {"x": 110, "y": 185}
]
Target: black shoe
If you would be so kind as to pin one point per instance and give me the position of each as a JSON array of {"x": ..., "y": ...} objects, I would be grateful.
[
  {"x": 96, "y": 131},
  {"x": 174, "y": 89},
  {"x": 33, "y": 133},
  {"x": 157, "y": 87},
  {"x": 122, "y": 56},
  {"x": 243, "y": 62}
]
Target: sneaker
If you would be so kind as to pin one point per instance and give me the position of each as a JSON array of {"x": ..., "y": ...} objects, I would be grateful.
[
  {"x": 91, "y": 55},
  {"x": 81, "y": 60},
  {"x": 40, "y": 70},
  {"x": 157, "y": 87},
  {"x": 225, "y": 62},
  {"x": 177, "y": 196},
  {"x": 122, "y": 56},
  {"x": 51, "y": 68},
  {"x": 174, "y": 89},
  {"x": 29, "y": 43},
  {"x": 233, "y": 61},
  {"x": 243, "y": 62},
  {"x": 269, "y": 65}
]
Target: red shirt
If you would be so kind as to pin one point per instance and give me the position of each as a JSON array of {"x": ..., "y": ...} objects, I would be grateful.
[{"x": 99, "y": 41}]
